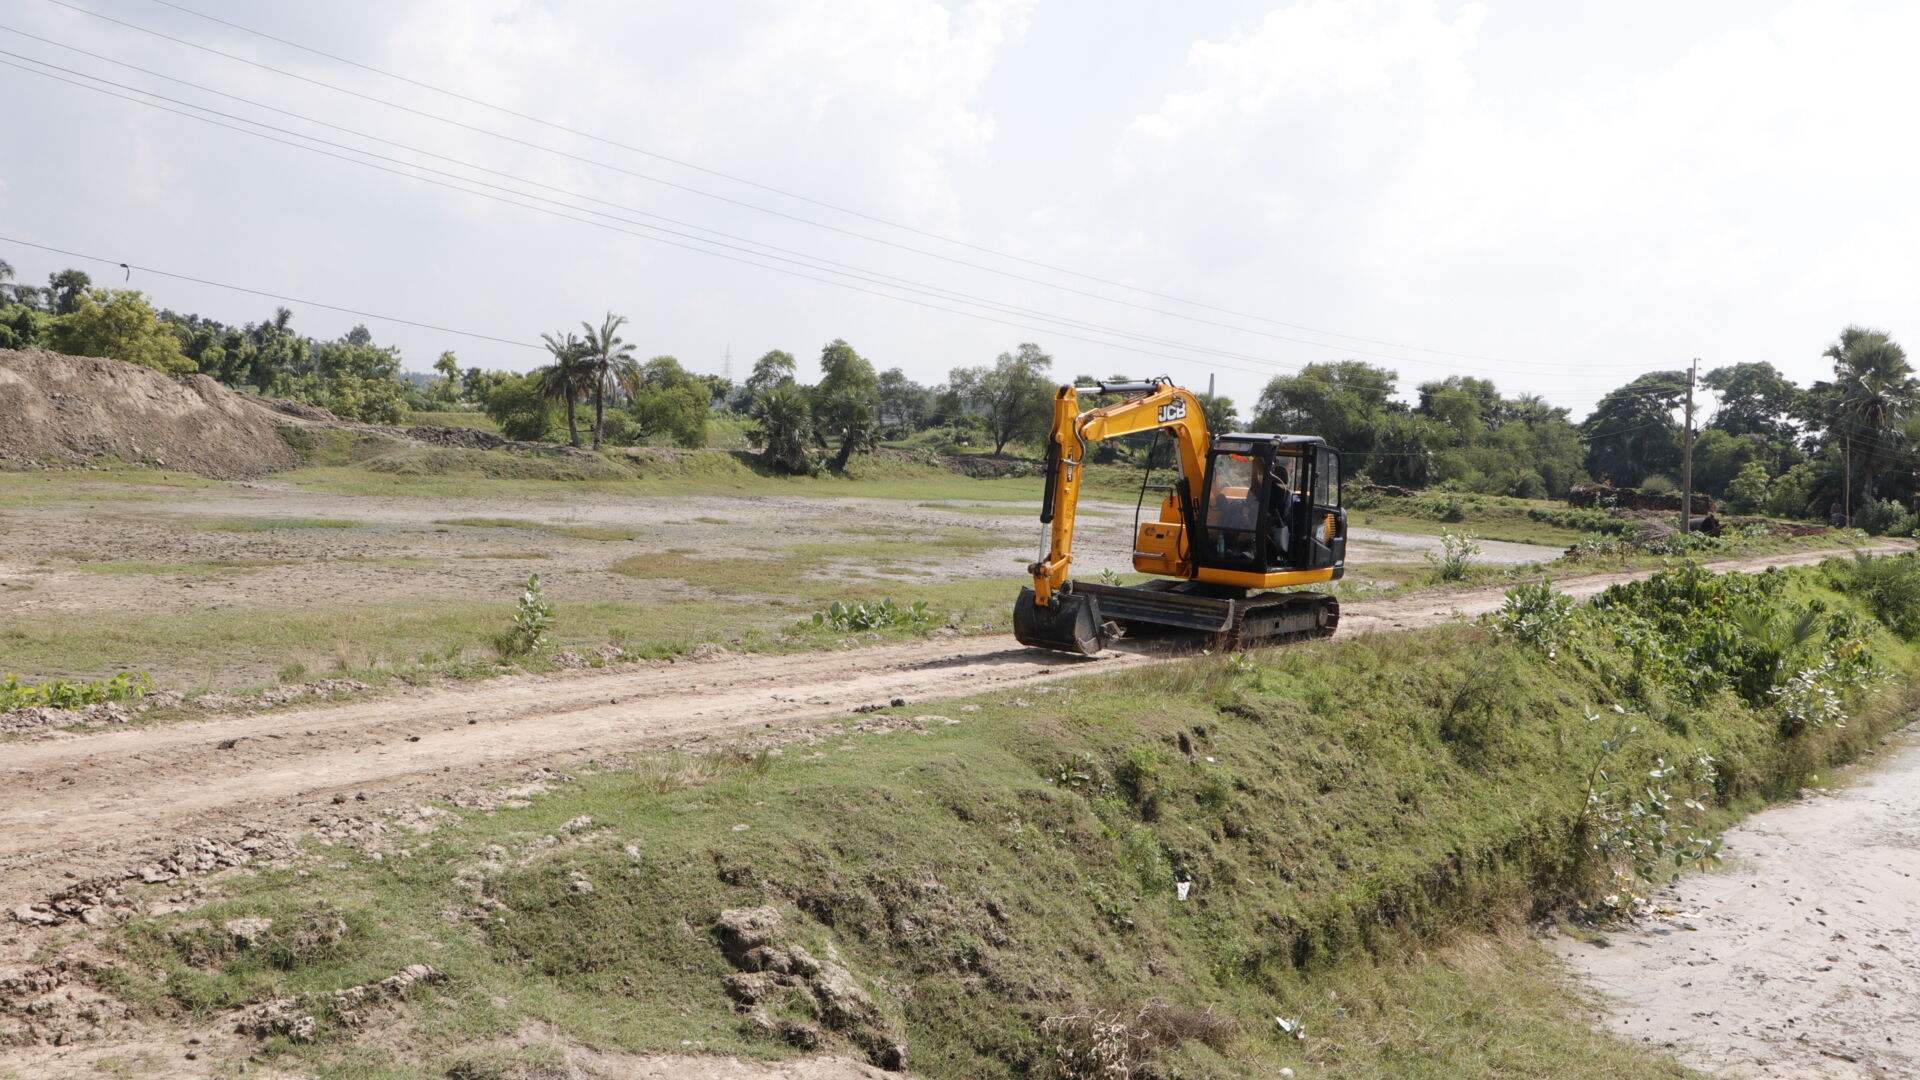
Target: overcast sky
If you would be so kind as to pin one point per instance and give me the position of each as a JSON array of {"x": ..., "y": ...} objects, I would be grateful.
[{"x": 1555, "y": 195}]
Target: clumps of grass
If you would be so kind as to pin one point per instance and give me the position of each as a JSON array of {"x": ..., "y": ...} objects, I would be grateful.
[
  {"x": 269, "y": 524},
  {"x": 1890, "y": 587},
  {"x": 61, "y": 694},
  {"x": 576, "y": 532}
]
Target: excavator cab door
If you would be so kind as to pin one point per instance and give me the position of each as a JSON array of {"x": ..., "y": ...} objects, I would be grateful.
[
  {"x": 1234, "y": 510},
  {"x": 1324, "y": 534}
]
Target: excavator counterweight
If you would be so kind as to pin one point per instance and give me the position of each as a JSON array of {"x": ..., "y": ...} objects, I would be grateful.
[{"x": 1247, "y": 515}]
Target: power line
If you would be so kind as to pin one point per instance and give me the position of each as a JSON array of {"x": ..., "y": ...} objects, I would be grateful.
[
  {"x": 272, "y": 296},
  {"x": 604, "y": 225},
  {"x": 797, "y": 257},
  {"x": 758, "y": 208}
]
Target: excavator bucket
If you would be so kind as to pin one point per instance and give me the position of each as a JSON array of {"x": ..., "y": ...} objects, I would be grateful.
[{"x": 1071, "y": 623}]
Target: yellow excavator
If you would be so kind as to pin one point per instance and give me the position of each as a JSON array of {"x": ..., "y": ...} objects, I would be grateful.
[{"x": 1244, "y": 514}]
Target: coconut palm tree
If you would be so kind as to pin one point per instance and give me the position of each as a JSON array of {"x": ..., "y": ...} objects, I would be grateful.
[
  {"x": 1873, "y": 390},
  {"x": 566, "y": 377},
  {"x": 608, "y": 361}
]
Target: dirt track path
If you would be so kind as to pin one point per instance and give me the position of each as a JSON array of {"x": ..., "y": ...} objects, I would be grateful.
[
  {"x": 98, "y": 803},
  {"x": 1798, "y": 960}
]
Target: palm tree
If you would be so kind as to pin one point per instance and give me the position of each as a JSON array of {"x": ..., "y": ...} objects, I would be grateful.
[
  {"x": 6, "y": 275},
  {"x": 608, "y": 360},
  {"x": 1874, "y": 389},
  {"x": 65, "y": 287},
  {"x": 565, "y": 377}
]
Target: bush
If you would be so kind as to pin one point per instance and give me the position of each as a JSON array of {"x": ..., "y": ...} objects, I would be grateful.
[
  {"x": 1456, "y": 554},
  {"x": 532, "y": 619},
  {"x": 1536, "y": 615},
  {"x": 521, "y": 410},
  {"x": 1884, "y": 517},
  {"x": 1889, "y": 586},
  {"x": 1659, "y": 484},
  {"x": 60, "y": 694},
  {"x": 874, "y": 616}
]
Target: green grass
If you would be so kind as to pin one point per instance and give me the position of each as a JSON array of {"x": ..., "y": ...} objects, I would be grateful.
[
  {"x": 576, "y": 532},
  {"x": 268, "y": 524},
  {"x": 456, "y": 418},
  {"x": 65, "y": 487},
  {"x": 1366, "y": 825},
  {"x": 203, "y": 648}
]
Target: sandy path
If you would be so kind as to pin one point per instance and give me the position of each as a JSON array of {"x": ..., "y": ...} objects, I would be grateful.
[
  {"x": 88, "y": 804},
  {"x": 1802, "y": 958}
]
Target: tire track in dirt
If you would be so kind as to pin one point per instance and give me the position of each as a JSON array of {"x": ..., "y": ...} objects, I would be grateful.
[{"x": 89, "y": 804}]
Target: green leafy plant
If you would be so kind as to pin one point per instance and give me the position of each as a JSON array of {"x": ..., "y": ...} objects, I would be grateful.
[
  {"x": 532, "y": 621},
  {"x": 1536, "y": 615},
  {"x": 61, "y": 694},
  {"x": 1456, "y": 554},
  {"x": 1632, "y": 824},
  {"x": 872, "y": 616}
]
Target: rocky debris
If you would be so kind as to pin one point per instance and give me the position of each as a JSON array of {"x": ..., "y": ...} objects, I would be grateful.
[
  {"x": 706, "y": 651},
  {"x": 507, "y": 796},
  {"x": 777, "y": 978},
  {"x": 209, "y": 853},
  {"x": 460, "y": 438},
  {"x": 567, "y": 658},
  {"x": 277, "y": 695},
  {"x": 95, "y": 902},
  {"x": 74, "y": 410},
  {"x": 298, "y": 1018},
  {"x": 246, "y": 933},
  {"x": 1606, "y": 496},
  {"x": 40, "y": 719},
  {"x": 56, "y": 1004}
]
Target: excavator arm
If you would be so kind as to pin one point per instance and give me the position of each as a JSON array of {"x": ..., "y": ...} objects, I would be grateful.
[{"x": 1159, "y": 407}]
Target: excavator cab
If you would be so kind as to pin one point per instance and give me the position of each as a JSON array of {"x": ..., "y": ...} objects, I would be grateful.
[{"x": 1271, "y": 505}]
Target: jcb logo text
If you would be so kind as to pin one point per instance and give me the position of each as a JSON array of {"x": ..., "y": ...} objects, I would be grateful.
[{"x": 1173, "y": 410}]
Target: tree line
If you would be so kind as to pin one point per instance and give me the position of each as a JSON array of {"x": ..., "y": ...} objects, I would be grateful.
[{"x": 1770, "y": 445}]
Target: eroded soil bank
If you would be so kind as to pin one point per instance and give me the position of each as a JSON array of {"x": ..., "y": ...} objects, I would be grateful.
[{"x": 1800, "y": 958}]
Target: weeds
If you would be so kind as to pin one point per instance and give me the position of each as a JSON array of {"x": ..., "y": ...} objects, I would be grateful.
[
  {"x": 61, "y": 694},
  {"x": 870, "y": 616},
  {"x": 1456, "y": 555},
  {"x": 1629, "y": 818},
  {"x": 532, "y": 621},
  {"x": 1536, "y": 615}
]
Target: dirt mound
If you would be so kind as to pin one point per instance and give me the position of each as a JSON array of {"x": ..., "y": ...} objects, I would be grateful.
[{"x": 74, "y": 410}]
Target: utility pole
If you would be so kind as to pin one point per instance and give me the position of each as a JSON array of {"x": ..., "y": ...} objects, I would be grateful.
[{"x": 1686, "y": 457}]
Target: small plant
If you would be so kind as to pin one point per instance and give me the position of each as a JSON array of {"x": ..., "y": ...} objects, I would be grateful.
[
  {"x": 532, "y": 620},
  {"x": 1456, "y": 554},
  {"x": 874, "y": 616},
  {"x": 1808, "y": 699},
  {"x": 1536, "y": 615},
  {"x": 1629, "y": 820},
  {"x": 1241, "y": 664},
  {"x": 61, "y": 694},
  {"x": 1108, "y": 577}
]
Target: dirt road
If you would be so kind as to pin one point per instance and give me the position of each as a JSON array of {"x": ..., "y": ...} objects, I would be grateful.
[
  {"x": 97, "y": 803},
  {"x": 1799, "y": 959}
]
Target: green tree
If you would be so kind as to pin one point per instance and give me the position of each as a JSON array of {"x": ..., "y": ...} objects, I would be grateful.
[
  {"x": 605, "y": 360},
  {"x": 668, "y": 400},
  {"x": 66, "y": 288},
  {"x": 783, "y": 429},
  {"x": 1749, "y": 491},
  {"x": 1755, "y": 399},
  {"x": 1873, "y": 390},
  {"x": 846, "y": 403},
  {"x": 1632, "y": 433},
  {"x": 904, "y": 404},
  {"x": 776, "y": 368},
  {"x": 1344, "y": 402},
  {"x": 448, "y": 389},
  {"x": 1221, "y": 416},
  {"x": 1014, "y": 397},
  {"x": 566, "y": 378},
  {"x": 121, "y": 324},
  {"x": 520, "y": 405}
]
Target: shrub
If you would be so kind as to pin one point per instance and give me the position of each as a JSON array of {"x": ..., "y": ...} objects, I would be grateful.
[
  {"x": 532, "y": 619},
  {"x": 60, "y": 694},
  {"x": 1536, "y": 615},
  {"x": 1456, "y": 554},
  {"x": 874, "y": 616},
  {"x": 1889, "y": 586},
  {"x": 1884, "y": 517}
]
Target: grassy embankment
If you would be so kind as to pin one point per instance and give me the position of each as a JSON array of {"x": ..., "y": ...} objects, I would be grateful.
[{"x": 1367, "y": 827}]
